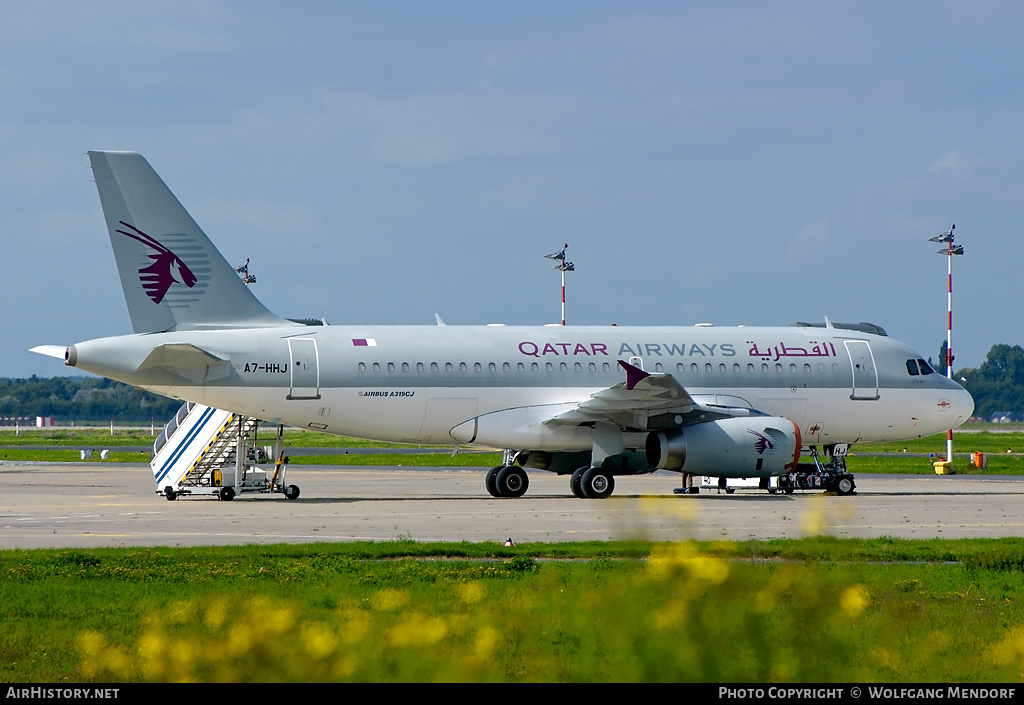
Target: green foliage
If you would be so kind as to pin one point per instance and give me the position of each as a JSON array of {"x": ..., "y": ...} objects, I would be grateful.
[
  {"x": 81, "y": 399},
  {"x": 998, "y": 384},
  {"x": 809, "y": 610}
]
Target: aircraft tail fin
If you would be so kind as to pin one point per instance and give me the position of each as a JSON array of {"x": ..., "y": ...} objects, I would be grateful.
[{"x": 172, "y": 275}]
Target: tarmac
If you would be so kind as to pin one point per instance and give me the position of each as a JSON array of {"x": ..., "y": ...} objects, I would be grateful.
[{"x": 59, "y": 505}]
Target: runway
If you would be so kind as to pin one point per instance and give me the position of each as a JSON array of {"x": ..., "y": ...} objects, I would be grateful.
[{"x": 78, "y": 505}]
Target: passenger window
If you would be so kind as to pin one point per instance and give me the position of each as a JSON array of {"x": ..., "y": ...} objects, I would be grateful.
[
  {"x": 433, "y": 367},
  {"x": 505, "y": 367},
  {"x": 657, "y": 367},
  {"x": 362, "y": 367},
  {"x": 419, "y": 366},
  {"x": 405, "y": 367},
  {"x": 912, "y": 368},
  {"x": 679, "y": 367},
  {"x": 477, "y": 367}
]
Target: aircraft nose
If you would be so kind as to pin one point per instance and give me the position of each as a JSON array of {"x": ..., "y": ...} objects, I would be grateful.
[
  {"x": 965, "y": 401},
  {"x": 959, "y": 404}
]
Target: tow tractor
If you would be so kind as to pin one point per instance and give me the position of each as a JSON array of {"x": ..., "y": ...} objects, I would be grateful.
[
  {"x": 204, "y": 450},
  {"x": 822, "y": 475}
]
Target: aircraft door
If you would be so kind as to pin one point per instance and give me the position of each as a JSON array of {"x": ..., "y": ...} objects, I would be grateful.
[
  {"x": 865, "y": 375},
  {"x": 305, "y": 369}
]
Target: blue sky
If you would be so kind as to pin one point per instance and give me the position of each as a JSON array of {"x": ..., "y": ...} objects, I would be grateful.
[{"x": 752, "y": 163}]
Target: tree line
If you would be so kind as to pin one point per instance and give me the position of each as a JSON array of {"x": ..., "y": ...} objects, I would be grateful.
[
  {"x": 79, "y": 399},
  {"x": 997, "y": 385}
]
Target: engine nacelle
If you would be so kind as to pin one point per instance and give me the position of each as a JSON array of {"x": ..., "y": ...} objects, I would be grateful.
[{"x": 751, "y": 446}]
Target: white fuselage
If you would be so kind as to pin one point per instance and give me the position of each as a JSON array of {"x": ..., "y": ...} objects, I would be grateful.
[{"x": 416, "y": 384}]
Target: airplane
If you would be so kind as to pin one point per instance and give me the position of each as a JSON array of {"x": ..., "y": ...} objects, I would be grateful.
[{"x": 592, "y": 402}]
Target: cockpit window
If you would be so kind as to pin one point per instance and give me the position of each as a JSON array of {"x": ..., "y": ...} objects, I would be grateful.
[
  {"x": 926, "y": 369},
  {"x": 912, "y": 368}
]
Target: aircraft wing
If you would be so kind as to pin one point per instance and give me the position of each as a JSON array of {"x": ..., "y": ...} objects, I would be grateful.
[{"x": 632, "y": 403}]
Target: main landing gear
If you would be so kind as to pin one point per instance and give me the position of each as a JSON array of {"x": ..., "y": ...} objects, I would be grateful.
[
  {"x": 507, "y": 481},
  {"x": 586, "y": 483},
  {"x": 592, "y": 483}
]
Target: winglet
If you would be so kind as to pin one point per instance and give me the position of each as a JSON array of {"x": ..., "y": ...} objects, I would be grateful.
[{"x": 633, "y": 374}]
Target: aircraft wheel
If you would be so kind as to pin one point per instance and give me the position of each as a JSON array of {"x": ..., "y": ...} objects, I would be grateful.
[
  {"x": 170, "y": 494},
  {"x": 512, "y": 481},
  {"x": 597, "y": 483},
  {"x": 844, "y": 485},
  {"x": 576, "y": 482},
  {"x": 226, "y": 493},
  {"x": 788, "y": 490},
  {"x": 730, "y": 490},
  {"x": 491, "y": 481},
  {"x": 291, "y": 492}
]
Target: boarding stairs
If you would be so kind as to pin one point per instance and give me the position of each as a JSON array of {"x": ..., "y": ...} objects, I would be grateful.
[{"x": 207, "y": 451}]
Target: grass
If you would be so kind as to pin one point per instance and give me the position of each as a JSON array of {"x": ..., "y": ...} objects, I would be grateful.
[
  {"x": 809, "y": 610},
  {"x": 992, "y": 440},
  {"x": 100, "y": 437}
]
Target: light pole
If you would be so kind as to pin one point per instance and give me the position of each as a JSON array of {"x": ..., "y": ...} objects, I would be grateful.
[
  {"x": 563, "y": 267},
  {"x": 951, "y": 249}
]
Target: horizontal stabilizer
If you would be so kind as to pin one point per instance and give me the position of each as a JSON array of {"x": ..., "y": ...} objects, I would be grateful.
[{"x": 188, "y": 361}]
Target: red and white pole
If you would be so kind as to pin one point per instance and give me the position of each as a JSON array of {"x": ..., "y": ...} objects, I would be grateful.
[
  {"x": 950, "y": 250},
  {"x": 563, "y": 296},
  {"x": 949, "y": 336},
  {"x": 563, "y": 267}
]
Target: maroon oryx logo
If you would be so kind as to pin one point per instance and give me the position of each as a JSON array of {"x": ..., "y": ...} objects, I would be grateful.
[
  {"x": 157, "y": 278},
  {"x": 762, "y": 443}
]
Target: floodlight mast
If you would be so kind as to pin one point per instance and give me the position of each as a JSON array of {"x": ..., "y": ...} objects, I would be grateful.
[
  {"x": 563, "y": 267},
  {"x": 951, "y": 249}
]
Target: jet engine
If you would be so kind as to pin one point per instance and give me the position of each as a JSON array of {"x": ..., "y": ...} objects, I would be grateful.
[{"x": 751, "y": 446}]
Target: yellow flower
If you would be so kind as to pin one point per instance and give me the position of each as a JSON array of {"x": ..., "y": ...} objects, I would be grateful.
[
  {"x": 389, "y": 599},
  {"x": 471, "y": 593},
  {"x": 854, "y": 599},
  {"x": 318, "y": 640}
]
